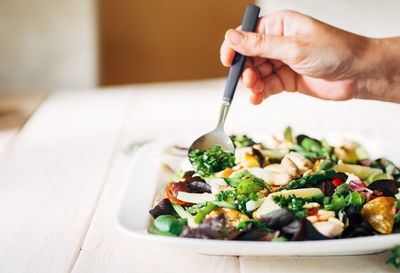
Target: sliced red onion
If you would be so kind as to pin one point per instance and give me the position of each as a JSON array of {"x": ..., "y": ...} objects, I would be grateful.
[{"x": 358, "y": 185}]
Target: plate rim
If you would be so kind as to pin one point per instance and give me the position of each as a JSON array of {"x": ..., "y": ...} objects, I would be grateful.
[{"x": 258, "y": 248}]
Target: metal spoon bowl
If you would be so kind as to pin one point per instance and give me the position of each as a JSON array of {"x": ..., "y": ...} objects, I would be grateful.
[{"x": 218, "y": 135}]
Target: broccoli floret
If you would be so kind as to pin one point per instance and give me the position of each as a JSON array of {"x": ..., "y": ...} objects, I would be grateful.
[{"x": 250, "y": 184}]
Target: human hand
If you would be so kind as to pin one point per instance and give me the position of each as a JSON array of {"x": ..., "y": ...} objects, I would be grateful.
[{"x": 293, "y": 52}]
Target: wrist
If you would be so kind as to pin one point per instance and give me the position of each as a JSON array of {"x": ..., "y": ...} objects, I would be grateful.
[{"x": 379, "y": 71}]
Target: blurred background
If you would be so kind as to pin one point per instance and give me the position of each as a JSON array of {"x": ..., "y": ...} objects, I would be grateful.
[{"x": 52, "y": 45}]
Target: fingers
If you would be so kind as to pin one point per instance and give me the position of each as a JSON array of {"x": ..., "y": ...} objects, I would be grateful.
[
  {"x": 256, "y": 98},
  {"x": 249, "y": 77},
  {"x": 258, "y": 45},
  {"x": 227, "y": 53},
  {"x": 272, "y": 85},
  {"x": 278, "y": 80}
]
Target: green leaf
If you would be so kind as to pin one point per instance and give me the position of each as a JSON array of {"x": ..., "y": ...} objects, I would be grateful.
[
  {"x": 154, "y": 230},
  {"x": 395, "y": 258},
  {"x": 169, "y": 223},
  {"x": 337, "y": 202},
  {"x": 397, "y": 218},
  {"x": 354, "y": 198}
]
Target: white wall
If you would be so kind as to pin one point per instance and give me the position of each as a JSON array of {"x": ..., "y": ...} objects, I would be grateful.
[
  {"x": 375, "y": 18},
  {"x": 47, "y": 44}
]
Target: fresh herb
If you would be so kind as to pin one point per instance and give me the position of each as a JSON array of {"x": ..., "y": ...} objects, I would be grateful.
[
  {"x": 242, "y": 141},
  {"x": 169, "y": 224},
  {"x": 343, "y": 197},
  {"x": 225, "y": 196},
  {"x": 211, "y": 161},
  {"x": 395, "y": 258},
  {"x": 310, "y": 180},
  {"x": 195, "y": 208},
  {"x": 239, "y": 200},
  {"x": 292, "y": 203}
]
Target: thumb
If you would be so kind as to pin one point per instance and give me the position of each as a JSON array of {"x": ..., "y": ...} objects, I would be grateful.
[{"x": 261, "y": 45}]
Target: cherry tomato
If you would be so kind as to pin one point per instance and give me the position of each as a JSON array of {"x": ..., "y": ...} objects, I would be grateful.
[
  {"x": 312, "y": 212},
  {"x": 337, "y": 182}
]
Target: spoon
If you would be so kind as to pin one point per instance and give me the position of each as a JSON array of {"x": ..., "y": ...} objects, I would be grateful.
[{"x": 218, "y": 135}]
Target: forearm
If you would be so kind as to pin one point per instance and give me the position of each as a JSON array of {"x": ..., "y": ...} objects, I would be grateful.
[{"x": 380, "y": 76}]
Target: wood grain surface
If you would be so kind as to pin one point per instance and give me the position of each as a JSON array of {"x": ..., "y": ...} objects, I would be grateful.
[{"x": 61, "y": 179}]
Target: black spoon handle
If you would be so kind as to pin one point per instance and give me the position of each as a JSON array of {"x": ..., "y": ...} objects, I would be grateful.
[{"x": 249, "y": 22}]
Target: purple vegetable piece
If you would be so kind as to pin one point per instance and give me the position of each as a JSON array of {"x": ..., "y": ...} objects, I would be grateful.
[
  {"x": 327, "y": 188},
  {"x": 277, "y": 219},
  {"x": 164, "y": 207},
  {"x": 212, "y": 228},
  {"x": 387, "y": 187},
  {"x": 254, "y": 233}
]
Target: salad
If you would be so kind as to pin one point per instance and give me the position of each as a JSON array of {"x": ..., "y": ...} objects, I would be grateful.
[{"x": 290, "y": 189}]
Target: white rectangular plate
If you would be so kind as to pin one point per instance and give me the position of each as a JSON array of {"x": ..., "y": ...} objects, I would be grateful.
[{"x": 146, "y": 176}]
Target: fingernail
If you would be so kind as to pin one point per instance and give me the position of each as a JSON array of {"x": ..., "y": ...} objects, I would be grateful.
[{"x": 235, "y": 37}]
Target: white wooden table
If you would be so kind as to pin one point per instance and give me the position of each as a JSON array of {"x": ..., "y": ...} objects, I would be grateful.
[{"x": 62, "y": 175}]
